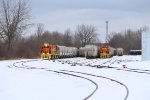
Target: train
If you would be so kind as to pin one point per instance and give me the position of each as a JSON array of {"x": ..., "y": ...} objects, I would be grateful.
[
  {"x": 91, "y": 51},
  {"x": 49, "y": 51}
]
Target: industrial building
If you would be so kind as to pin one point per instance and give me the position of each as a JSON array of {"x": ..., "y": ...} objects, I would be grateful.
[{"x": 146, "y": 45}]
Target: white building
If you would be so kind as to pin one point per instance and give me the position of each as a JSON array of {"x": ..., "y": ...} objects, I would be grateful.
[{"x": 146, "y": 45}]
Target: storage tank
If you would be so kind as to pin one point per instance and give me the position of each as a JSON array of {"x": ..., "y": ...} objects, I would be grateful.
[{"x": 146, "y": 45}]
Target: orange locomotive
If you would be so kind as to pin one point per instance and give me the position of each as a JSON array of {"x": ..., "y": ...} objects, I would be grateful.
[
  {"x": 49, "y": 51},
  {"x": 106, "y": 51},
  {"x": 45, "y": 51}
]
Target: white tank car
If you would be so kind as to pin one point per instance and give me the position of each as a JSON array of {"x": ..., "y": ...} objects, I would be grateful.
[
  {"x": 74, "y": 52},
  {"x": 70, "y": 51},
  {"x": 67, "y": 51},
  {"x": 120, "y": 51},
  {"x": 113, "y": 51},
  {"x": 61, "y": 51},
  {"x": 91, "y": 51},
  {"x": 82, "y": 52}
]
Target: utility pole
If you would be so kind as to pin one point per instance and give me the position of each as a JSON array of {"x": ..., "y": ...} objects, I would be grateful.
[{"x": 106, "y": 30}]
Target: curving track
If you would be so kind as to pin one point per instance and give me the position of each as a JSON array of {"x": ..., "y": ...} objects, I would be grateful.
[
  {"x": 74, "y": 74},
  {"x": 61, "y": 72}
]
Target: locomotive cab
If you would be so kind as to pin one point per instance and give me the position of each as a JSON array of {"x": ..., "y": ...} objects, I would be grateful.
[
  {"x": 45, "y": 51},
  {"x": 105, "y": 52}
]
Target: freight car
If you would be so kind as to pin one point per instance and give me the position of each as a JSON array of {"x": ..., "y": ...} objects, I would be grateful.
[
  {"x": 82, "y": 52},
  {"x": 91, "y": 51},
  {"x": 119, "y": 51},
  {"x": 62, "y": 51},
  {"x": 74, "y": 52}
]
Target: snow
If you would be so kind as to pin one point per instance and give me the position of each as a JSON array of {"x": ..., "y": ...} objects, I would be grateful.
[{"x": 36, "y": 79}]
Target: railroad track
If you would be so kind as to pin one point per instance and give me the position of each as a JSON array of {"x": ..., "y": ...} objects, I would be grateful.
[
  {"x": 60, "y": 72},
  {"x": 108, "y": 63},
  {"x": 120, "y": 83},
  {"x": 130, "y": 70},
  {"x": 73, "y": 73},
  {"x": 112, "y": 61}
]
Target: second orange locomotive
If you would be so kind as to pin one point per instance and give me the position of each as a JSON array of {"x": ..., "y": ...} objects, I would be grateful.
[{"x": 107, "y": 51}]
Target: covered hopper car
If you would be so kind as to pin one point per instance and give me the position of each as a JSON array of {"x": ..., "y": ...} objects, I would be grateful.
[{"x": 91, "y": 51}]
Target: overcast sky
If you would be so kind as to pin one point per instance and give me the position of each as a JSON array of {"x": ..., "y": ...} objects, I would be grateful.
[{"x": 63, "y": 14}]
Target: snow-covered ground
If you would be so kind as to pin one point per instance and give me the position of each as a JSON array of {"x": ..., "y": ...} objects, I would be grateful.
[{"x": 75, "y": 79}]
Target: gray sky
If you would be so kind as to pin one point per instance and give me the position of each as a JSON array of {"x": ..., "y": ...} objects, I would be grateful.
[{"x": 63, "y": 14}]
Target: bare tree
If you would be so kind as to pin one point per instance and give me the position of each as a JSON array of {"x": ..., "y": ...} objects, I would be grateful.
[
  {"x": 56, "y": 38},
  {"x": 14, "y": 15},
  {"x": 115, "y": 39},
  {"x": 67, "y": 38},
  {"x": 86, "y": 34},
  {"x": 127, "y": 40},
  {"x": 39, "y": 32},
  {"x": 76, "y": 41}
]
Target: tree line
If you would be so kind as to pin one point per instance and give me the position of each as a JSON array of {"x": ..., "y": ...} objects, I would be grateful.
[
  {"x": 15, "y": 18},
  {"x": 66, "y": 38},
  {"x": 128, "y": 39}
]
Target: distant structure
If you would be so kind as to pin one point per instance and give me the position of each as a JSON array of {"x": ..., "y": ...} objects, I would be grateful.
[
  {"x": 146, "y": 45},
  {"x": 106, "y": 30}
]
